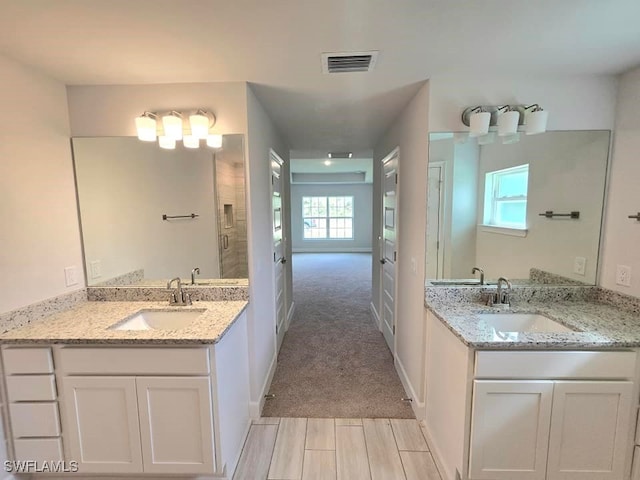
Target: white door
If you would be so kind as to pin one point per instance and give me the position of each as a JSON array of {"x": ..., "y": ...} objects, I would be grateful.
[
  {"x": 434, "y": 245},
  {"x": 279, "y": 259},
  {"x": 389, "y": 242},
  {"x": 101, "y": 424},
  {"x": 589, "y": 430},
  {"x": 510, "y": 429},
  {"x": 176, "y": 424}
]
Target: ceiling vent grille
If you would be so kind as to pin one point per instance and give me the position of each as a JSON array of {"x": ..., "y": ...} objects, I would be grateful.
[{"x": 349, "y": 62}]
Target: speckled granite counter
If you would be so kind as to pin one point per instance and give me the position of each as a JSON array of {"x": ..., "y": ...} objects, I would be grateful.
[
  {"x": 89, "y": 322},
  {"x": 599, "y": 322}
]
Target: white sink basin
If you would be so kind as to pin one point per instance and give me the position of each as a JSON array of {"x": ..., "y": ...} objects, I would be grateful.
[
  {"x": 159, "y": 320},
  {"x": 522, "y": 323}
]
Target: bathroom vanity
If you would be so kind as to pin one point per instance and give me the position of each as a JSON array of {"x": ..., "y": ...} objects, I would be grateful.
[
  {"x": 545, "y": 390},
  {"x": 159, "y": 400}
]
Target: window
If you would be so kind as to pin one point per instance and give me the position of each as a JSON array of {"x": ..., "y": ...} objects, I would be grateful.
[
  {"x": 327, "y": 217},
  {"x": 505, "y": 197}
]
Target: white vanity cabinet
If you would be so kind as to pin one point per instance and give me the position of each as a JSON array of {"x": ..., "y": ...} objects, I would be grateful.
[
  {"x": 134, "y": 409},
  {"x": 529, "y": 415},
  {"x": 538, "y": 428}
]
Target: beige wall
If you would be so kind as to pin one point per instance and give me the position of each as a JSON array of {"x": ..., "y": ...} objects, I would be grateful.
[
  {"x": 263, "y": 136},
  {"x": 410, "y": 132},
  {"x": 39, "y": 233},
  {"x": 622, "y": 234}
]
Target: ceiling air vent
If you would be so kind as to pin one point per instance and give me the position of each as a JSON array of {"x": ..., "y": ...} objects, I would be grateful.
[{"x": 349, "y": 62}]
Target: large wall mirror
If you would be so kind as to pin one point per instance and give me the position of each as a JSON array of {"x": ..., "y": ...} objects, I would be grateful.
[
  {"x": 530, "y": 211},
  {"x": 148, "y": 214}
]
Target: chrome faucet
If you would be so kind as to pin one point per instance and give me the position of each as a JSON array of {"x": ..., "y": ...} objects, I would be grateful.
[
  {"x": 178, "y": 297},
  {"x": 504, "y": 298},
  {"x": 193, "y": 275},
  {"x": 478, "y": 269}
]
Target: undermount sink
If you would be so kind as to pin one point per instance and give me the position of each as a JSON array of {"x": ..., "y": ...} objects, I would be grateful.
[
  {"x": 159, "y": 320},
  {"x": 522, "y": 323}
]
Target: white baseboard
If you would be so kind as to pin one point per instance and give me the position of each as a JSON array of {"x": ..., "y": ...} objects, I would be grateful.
[
  {"x": 435, "y": 453},
  {"x": 332, "y": 250},
  {"x": 418, "y": 407},
  {"x": 292, "y": 309},
  {"x": 255, "y": 408},
  {"x": 374, "y": 314}
]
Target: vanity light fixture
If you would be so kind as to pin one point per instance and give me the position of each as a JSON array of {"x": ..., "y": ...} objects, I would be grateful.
[
  {"x": 146, "y": 126},
  {"x": 530, "y": 119},
  {"x": 535, "y": 119},
  {"x": 214, "y": 141},
  {"x": 479, "y": 122},
  {"x": 171, "y": 128},
  {"x": 508, "y": 119},
  {"x": 172, "y": 124}
]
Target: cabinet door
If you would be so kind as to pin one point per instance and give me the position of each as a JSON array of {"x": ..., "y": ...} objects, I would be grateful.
[
  {"x": 589, "y": 430},
  {"x": 101, "y": 424},
  {"x": 176, "y": 424},
  {"x": 510, "y": 429}
]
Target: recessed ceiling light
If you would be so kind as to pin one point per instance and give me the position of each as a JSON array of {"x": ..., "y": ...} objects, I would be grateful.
[{"x": 340, "y": 155}]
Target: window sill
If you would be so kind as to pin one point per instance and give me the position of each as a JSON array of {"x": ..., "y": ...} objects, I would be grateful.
[{"x": 512, "y": 232}]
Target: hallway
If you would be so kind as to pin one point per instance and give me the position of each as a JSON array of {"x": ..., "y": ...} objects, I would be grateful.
[{"x": 334, "y": 361}]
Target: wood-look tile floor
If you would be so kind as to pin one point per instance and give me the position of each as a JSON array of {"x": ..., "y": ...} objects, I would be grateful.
[{"x": 335, "y": 449}]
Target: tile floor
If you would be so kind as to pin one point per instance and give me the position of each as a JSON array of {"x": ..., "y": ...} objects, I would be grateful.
[{"x": 335, "y": 449}]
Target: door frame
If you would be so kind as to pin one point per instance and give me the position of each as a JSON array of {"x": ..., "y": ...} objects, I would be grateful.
[
  {"x": 441, "y": 214},
  {"x": 389, "y": 156}
]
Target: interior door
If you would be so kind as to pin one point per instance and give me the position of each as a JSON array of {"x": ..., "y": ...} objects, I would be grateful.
[
  {"x": 434, "y": 245},
  {"x": 279, "y": 259},
  {"x": 389, "y": 250}
]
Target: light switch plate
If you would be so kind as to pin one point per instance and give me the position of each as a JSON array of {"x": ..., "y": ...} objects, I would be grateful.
[
  {"x": 96, "y": 269},
  {"x": 623, "y": 275},
  {"x": 579, "y": 265},
  {"x": 71, "y": 276}
]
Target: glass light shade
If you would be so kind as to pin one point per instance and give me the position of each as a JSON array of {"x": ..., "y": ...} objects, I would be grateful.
[
  {"x": 190, "y": 141},
  {"x": 146, "y": 128},
  {"x": 508, "y": 123},
  {"x": 214, "y": 141},
  {"x": 172, "y": 125},
  {"x": 167, "y": 143},
  {"x": 199, "y": 125},
  {"x": 512, "y": 138},
  {"x": 487, "y": 139},
  {"x": 479, "y": 123},
  {"x": 535, "y": 122}
]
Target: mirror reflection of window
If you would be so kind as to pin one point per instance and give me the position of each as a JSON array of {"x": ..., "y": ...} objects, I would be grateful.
[{"x": 505, "y": 203}]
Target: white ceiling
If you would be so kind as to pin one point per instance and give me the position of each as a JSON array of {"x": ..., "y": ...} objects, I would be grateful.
[{"x": 276, "y": 45}]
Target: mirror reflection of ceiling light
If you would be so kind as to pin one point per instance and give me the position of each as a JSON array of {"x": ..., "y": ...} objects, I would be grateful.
[
  {"x": 169, "y": 126},
  {"x": 327, "y": 162}
]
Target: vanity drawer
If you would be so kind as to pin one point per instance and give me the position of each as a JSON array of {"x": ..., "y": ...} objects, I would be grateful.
[
  {"x": 134, "y": 361},
  {"x": 38, "y": 449},
  {"x": 27, "y": 360},
  {"x": 35, "y": 419},
  {"x": 21, "y": 388},
  {"x": 555, "y": 364}
]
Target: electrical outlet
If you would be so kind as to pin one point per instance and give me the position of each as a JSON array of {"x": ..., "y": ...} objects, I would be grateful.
[
  {"x": 71, "y": 276},
  {"x": 623, "y": 275},
  {"x": 579, "y": 265},
  {"x": 96, "y": 269}
]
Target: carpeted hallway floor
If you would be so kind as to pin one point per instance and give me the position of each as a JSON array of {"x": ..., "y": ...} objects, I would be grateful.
[{"x": 334, "y": 362}]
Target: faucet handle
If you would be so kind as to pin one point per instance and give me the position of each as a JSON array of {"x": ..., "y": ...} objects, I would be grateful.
[{"x": 186, "y": 299}]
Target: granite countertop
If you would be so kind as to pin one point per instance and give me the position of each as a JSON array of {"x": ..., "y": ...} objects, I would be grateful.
[
  {"x": 89, "y": 322},
  {"x": 597, "y": 325}
]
